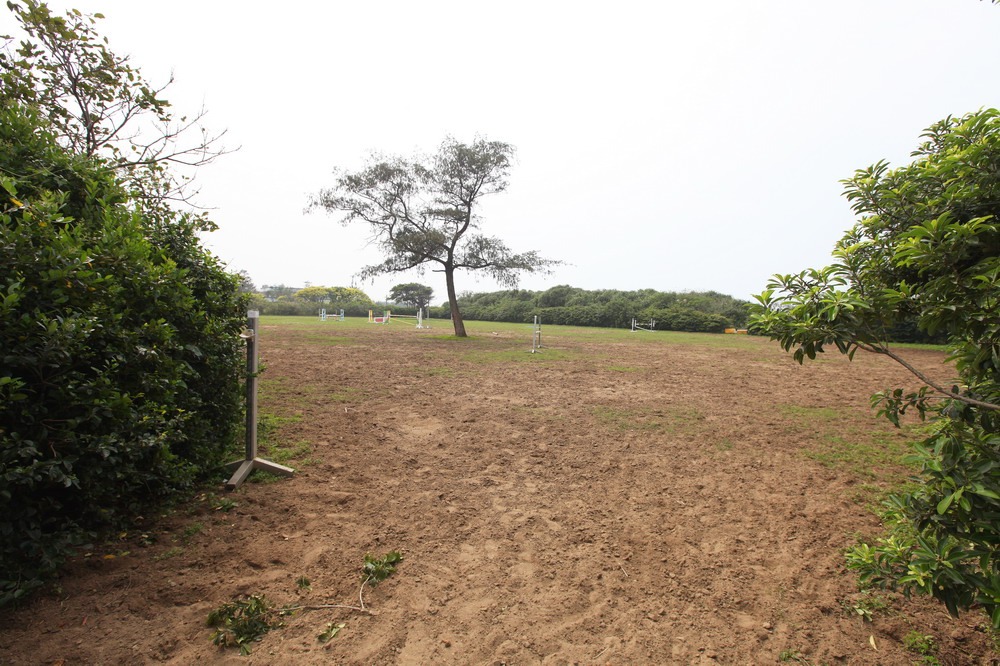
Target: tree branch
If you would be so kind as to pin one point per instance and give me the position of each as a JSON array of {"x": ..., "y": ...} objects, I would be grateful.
[{"x": 924, "y": 378}]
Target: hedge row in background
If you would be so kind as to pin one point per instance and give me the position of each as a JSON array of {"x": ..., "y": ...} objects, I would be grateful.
[
  {"x": 292, "y": 307},
  {"x": 709, "y": 311}
]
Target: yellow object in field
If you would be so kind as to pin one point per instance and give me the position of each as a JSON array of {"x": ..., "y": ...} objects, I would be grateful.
[
  {"x": 741, "y": 331},
  {"x": 730, "y": 330}
]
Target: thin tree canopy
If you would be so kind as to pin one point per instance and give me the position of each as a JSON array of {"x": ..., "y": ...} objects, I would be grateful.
[
  {"x": 97, "y": 104},
  {"x": 412, "y": 293},
  {"x": 423, "y": 210}
]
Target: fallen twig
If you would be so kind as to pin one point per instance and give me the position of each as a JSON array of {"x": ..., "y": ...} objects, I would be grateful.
[
  {"x": 324, "y": 607},
  {"x": 361, "y": 593}
]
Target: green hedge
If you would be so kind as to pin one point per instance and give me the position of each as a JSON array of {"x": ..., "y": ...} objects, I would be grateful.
[
  {"x": 121, "y": 361},
  {"x": 688, "y": 311}
]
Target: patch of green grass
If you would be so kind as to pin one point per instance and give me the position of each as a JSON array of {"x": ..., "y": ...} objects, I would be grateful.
[
  {"x": 167, "y": 554},
  {"x": 793, "y": 656},
  {"x": 224, "y": 505},
  {"x": 329, "y": 340},
  {"x": 286, "y": 454},
  {"x": 269, "y": 424},
  {"x": 346, "y": 394},
  {"x": 264, "y": 477},
  {"x": 724, "y": 445},
  {"x": 857, "y": 455},
  {"x": 867, "y": 606},
  {"x": 924, "y": 645},
  {"x": 622, "y": 368},
  {"x": 448, "y": 338},
  {"x": 191, "y": 531},
  {"x": 863, "y": 445},
  {"x": 271, "y": 446},
  {"x": 870, "y": 494},
  {"x": 485, "y": 329}
]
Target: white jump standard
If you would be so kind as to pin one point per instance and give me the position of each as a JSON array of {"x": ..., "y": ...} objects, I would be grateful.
[
  {"x": 536, "y": 335},
  {"x": 323, "y": 316},
  {"x": 636, "y": 326},
  {"x": 419, "y": 317}
]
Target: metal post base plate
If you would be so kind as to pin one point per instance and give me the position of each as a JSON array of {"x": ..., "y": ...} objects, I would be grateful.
[{"x": 244, "y": 467}]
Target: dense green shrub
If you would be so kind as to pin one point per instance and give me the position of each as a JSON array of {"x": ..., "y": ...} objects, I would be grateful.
[
  {"x": 924, "y": 255},
  {"x": 558, "y": 296},
  {"x": 686, "y": 319},
  {"x": 573, "y": 315},
  {"x": 439, "y": 312},
  {"x": 120, "y": 357}
]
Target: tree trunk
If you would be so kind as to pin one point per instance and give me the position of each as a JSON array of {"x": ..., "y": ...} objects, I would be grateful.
[{"x": 456, "y": 316}]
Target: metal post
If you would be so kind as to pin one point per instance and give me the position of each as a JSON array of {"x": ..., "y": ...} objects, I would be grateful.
[
  {"x": 253, "y": 369},
  {"x": 241, "y": 468},
  {"x": 536, "y": 336}
]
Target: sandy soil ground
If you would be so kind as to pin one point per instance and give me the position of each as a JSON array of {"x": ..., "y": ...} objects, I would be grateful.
[{"x": 652, "y": 499}]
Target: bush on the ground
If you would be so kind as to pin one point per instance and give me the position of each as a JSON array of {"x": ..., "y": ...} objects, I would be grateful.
[
  {"x": 925, "y": 252},
  {"x": 686, "y": 319},
  {"x": 121, "y": 356}
]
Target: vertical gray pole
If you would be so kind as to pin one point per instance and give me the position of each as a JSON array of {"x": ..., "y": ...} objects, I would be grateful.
[
  {"x": 241, "y": 468},
  {"x": 252, "y": 369}
]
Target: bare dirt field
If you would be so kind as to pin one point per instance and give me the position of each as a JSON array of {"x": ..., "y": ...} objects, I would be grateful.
[{"x": 647, "y": 498}]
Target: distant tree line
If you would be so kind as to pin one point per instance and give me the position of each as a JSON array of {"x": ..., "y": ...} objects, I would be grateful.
[
  {"x": 308, "y": 301},
  {"x": 690, "y": 311},
  {"x": 708, "y": 312}
]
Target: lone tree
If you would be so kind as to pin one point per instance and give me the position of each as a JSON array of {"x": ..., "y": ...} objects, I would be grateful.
[
  {"x": 422, "y": 211},
  {"x": 926, "y": 248},
  {"x": 412, "y": 293}
]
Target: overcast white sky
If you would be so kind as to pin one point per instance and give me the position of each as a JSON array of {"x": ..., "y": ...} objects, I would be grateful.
[{"x": 673, "y": 145}]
